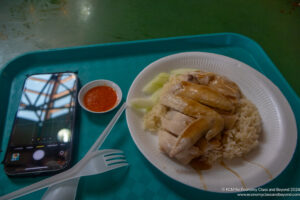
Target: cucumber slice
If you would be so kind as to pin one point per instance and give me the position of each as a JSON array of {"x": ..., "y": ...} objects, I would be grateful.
[
  {"x": 155, "y": 95},
  {"x": 183, "y": 71},
  {"x": 142, "y": 103},
  {"x": 156, "y": 83}
]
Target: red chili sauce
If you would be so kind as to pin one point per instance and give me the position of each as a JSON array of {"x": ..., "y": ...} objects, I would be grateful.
[{"x": 100, "y": 98}]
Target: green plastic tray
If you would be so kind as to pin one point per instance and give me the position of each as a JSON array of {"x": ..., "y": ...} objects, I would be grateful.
[{"x": 121, "y": 63}]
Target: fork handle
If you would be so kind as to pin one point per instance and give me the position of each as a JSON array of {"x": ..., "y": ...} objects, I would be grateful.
[
  {"x": 39, "y": 185},
  {"x": 56, "y": 179},
  {"x": 107, "y": 130}
]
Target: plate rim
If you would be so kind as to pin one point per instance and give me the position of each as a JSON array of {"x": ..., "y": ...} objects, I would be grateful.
[{"x": 259, "y": 75}]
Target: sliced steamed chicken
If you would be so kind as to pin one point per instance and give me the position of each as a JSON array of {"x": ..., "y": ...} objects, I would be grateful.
[
  {"x": 192, "y": 123},
  {"x": 196, "y": 130},
  {"x": 209, "y": 123},
  {"x": 167, "y": 142},
  {"x": 185, "y": 105},
  {"x": 202, "y": 78},
  {"x": 226, "y": 87},
  {"x": 229, "y": 121},
  {"x": 175, "y": 122},
  {"x": 205, "y": 95}
]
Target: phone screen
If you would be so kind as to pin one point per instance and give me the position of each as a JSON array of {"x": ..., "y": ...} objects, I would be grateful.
[{"x": 42, "y": 133}]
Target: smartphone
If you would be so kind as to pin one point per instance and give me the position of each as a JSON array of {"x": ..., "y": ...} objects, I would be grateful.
[{"x": 42, "y": 135}]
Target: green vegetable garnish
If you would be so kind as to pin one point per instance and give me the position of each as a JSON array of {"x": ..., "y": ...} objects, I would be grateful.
[{"x": 156, "y": 83}]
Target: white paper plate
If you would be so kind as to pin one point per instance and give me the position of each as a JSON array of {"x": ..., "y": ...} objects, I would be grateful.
[{"x": 277, "y": 142}]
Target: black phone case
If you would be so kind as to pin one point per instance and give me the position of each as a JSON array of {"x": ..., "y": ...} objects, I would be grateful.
[{"x": 74, "y": 135}]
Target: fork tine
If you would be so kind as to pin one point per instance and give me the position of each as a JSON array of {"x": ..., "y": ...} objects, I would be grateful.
[
  {"x": 113, "y": 151},
  {"x": 111, "y": 162},
  {"x": 111, "y": 167},
  {"x": 107, "y": 158}
]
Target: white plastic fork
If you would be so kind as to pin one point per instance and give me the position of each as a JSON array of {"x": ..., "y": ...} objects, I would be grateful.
[
  {"x": 67, "y": 190},
  {"x": 88, "y": 164},
  {"x": 94, "y": 163}
]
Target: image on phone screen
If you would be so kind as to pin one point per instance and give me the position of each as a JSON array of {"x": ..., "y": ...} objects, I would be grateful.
[{"x": 42, "y": 133}]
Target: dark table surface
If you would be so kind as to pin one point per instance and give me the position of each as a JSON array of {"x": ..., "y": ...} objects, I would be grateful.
[{"x": 28, "y": 25}]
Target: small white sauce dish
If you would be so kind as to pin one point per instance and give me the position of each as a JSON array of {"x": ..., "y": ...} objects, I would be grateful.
[{"x": 96, "y": 83}]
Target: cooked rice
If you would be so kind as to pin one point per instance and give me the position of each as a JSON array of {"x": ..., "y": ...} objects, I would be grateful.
[
  {"x": 152, "y": 119},
  {"x": 244, "y": 135}
]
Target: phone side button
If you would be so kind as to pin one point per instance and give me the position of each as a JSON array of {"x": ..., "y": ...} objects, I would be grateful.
[{"x": 38, "y": 154}]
